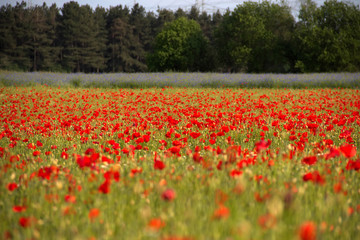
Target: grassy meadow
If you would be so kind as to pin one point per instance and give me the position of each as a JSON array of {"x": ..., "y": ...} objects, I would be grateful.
[
  {"x": 81, "y": 162},
  {"x": 181, "y": 80}
]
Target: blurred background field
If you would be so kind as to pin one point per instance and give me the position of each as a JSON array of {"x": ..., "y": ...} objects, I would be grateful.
[{"x": 197, "y": 80}]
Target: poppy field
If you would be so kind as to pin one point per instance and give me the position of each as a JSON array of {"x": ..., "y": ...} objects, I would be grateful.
[{"x": 179, "y": 163}]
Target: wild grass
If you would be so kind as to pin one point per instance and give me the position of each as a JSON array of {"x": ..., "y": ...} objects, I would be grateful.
[{"x": 189, "y": 80}]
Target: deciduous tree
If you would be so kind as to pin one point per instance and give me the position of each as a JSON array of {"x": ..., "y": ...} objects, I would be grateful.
[{"x": 180, "y": 46}]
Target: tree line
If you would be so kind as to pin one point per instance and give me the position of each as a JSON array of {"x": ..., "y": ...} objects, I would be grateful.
[{"x": 254, "y": 37}]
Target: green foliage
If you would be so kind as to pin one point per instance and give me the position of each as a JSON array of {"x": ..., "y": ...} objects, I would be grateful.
[
  {"x": 82, "y": 38},
  {"x": 75, "y": 82},
  {"x": 130, "y": 38},
  {"x": 100, "y": 47},
  {"x": 328, "y": 37},
  {"x": 256, "y": 37},
  {"x": 180, "y": 46}
]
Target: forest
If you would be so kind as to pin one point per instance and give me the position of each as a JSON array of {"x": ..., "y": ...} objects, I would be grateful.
[{"x": 255, "y": 37}]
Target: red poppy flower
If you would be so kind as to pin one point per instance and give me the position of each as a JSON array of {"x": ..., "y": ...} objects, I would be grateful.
[
  {"x": 105, "y": 187},
  {"x": 333, "y": 153},
  {"x": 156, "y": 224},
  {"x": 307, "y": 231},
  {"x": 195, "y": 134},
  {"x": 174, "y": 150},
  {"x": 135, "y": 135},
  {"x": 31, "y": 146},
  {"x": 337, "y": 187},
  {"x": 146, "y": 138},
  {"x": 219, "y": 165},
  {"x": 235, "y": 173},
  {"x": 212, "y": 141},
  {"x": 350, "y": 211},
  {"x": 314, "y": 177},
  {"x": 292, "y": 138},
  {"x": 348, "y": 150},
  {"x": 14, "y": 158},
  {"x": 176, "y": 143},
  {"x": 160, "y": 165},
  {"x": 116, "y": 176},
  {"x": 309, "y": 160},
  {"x": 275, "y": 123},
  {"x": 12, "y": 186},
  {"x": 262, "y": 145},
  {"x": 221, "y": 212},
  {"x": 168, "y": 195},
  {"x": 308, "y": 177},
  {"x": 312, "y": 126},
  {"x": 46, "y": 172},
  {"x": 139, "y": 140},
  {"x": 163, "y": 142},
  {"x": 83, "y": 161},
  {"x": 93, "y": 214},
  {"x": 36, "y": 153},
  {"x": 220, "y": 197},
  {"x": 265, "y": 128},
  {"x": 169, "y": 133},
  {"x": 136, "y": 171},
  {"x": 328, "y": 142},
  {"x": 353, "y": 165},
  {"x": 64, "y": 155},
  {"x": 125, "y": 151},
  {"x": 27, "y": 221},
  {"x": 70, "y": 198},
  {"x": 19, "y": 208},
  {"x": 197, "y": 158},
  {"x": 225, "y": 129},
  {"x": 106, "y": 159}
]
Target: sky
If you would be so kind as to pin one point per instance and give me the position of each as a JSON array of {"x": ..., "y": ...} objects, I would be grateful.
[{"x": 152, "y": 5}]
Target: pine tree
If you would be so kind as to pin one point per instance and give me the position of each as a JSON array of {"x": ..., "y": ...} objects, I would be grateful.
[
  {"x": 53, "y": 60},
  {"x": 120, "y": 32},
  {"x": 69, "y": 31},
  {"x": 101, "y": 34},
  {"x": 22, "y": 35},
  {"x": 140, "y": 37},
  {"x": 7, "y": 38},
  {"x": 40, "y": 43}
]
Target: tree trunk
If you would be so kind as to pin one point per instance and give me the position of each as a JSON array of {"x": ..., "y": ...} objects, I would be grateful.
[{"x": 34, "y": 59}]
